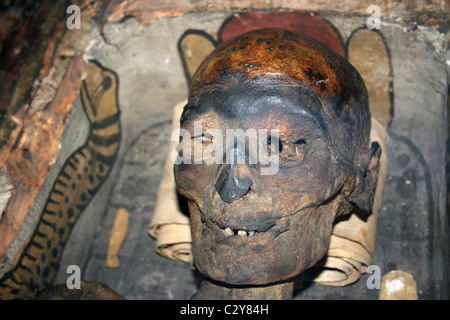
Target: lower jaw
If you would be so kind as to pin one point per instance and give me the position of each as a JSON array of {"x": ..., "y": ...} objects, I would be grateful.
[
  {"x": 274, "y": 257},
  {"x": 249, "y": 264}
]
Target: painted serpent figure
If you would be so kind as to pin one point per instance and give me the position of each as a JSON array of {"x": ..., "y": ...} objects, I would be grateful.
[{"x": 79, "y": 179}]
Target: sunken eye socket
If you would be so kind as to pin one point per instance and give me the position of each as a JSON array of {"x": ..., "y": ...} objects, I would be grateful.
[
  {"x": 199, "y": 145},
  {"x": 204, "y": 137},
  {"x": 298, "y": 149},
  {"x": 274, "y": 144}
]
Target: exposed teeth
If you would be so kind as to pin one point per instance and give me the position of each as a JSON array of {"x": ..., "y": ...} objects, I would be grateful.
[
  {"x": 242, "y": 233},
  {"x": 229, "y": 231},
  {"x": 239, "y": 232}
]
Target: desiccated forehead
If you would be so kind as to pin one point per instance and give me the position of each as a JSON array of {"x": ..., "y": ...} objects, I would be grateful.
[{"x": 237, "y": 99}]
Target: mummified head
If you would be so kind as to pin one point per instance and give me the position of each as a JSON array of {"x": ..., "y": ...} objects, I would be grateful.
[{"x": 250, "y": 228}]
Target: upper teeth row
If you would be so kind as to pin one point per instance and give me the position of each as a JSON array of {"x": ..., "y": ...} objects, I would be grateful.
[{"x": 240, "y": 232}]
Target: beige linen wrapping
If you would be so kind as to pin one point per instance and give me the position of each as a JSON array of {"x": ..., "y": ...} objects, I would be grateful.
[
  {"x": 352, "y": 241},
  {"x": 169, "y": 226}
]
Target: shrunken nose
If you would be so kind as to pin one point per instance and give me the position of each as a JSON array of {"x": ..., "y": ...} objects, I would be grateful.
[{"x": 234, "y": 182}]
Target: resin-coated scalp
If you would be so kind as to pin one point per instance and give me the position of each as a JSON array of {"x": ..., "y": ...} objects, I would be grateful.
[{"x": 282, "y": 54}]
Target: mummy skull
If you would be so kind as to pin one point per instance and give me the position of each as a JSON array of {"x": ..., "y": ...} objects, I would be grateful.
[{"x": 307, "y": 109}]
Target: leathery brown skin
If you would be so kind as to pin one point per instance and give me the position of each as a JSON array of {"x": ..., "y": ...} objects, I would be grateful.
[{"x": 252, "y": 230}]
